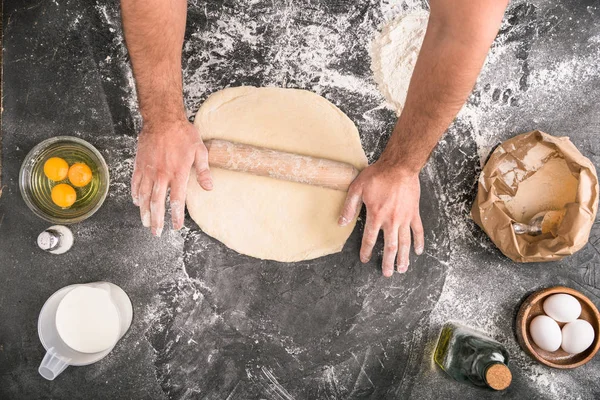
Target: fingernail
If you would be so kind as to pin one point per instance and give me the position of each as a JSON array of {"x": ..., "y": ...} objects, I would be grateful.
[
  {"x": 157, "y": 231},
  {"x": 146, "y": 219},
  {"x": 402, "y": 268},
  {"x": 342, "y": 221},
  {"x": 419, "y": 251},
  {"x": 209, "y": 185},
  {"x": 365, "y": 260},
  {"x": 136, "y": 201},
  {"x": 178, "y": 225}
]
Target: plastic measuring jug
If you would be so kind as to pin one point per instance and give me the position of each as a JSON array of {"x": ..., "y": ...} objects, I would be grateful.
[{"x": 58, "y": 354}]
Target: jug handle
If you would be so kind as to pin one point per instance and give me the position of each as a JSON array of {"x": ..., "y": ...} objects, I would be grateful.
[{"x": 53, "y": 364}]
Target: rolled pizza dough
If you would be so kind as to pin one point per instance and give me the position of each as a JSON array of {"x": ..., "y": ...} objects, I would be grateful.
[{"x": 264, "y": 217}]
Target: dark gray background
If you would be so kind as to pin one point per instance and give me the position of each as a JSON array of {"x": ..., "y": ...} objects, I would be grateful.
[{"x": 210, "y": 323}]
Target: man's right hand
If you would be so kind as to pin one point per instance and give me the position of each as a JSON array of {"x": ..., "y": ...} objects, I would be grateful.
[
  {"x": 166, "y": 152},
  {"x": 168, "y": 145}
]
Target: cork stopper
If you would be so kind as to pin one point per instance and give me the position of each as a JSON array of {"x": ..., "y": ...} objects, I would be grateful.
[{"x": 498, "y": 376}]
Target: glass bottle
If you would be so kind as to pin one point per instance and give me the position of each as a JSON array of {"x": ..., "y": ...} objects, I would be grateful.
[{"x": 469, "y": 356}]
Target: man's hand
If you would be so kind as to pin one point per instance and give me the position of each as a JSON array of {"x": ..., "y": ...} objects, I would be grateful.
[
  {"x": 168, "y": 144},
  {"x": 391, "y": 195},
  {"x": 456, "y": 43},
  {"x": 165, "y": 155}
]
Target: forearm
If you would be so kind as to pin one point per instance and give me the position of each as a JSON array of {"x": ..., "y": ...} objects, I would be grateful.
[
  {"x": 451, "y": 57},
  {"x": 154, "y": 31}
]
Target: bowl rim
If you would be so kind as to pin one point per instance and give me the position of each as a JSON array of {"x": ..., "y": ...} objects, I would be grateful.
[
  {"x": 41, "y": 146},
  {"x": 525, "y": 310}
]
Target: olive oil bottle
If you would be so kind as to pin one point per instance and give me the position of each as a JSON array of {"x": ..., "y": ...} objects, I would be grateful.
[{"x": 469, "y": 356}]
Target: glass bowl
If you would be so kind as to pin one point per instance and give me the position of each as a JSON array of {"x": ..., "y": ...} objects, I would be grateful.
[{"x": 36, "y": 187}]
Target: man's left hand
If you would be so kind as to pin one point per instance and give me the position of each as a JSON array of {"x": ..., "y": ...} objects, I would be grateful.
[{"x": 391, "y": 195}]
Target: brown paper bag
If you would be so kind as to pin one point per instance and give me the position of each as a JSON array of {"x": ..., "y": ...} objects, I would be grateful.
[{"x": 524, "y": 155}]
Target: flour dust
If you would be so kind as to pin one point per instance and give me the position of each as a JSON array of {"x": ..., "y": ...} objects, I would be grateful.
[{"x": 526, "y": 69}]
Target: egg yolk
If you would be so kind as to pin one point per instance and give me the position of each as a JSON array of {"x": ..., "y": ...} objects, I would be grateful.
[
  {"x": 80, "y": 174},
  {"x": 56, "y": 169},
  {"x": 63, "y": 195}
]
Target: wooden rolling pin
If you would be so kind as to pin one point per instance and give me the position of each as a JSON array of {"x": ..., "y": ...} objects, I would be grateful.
[{"x": 280, "y": 165}]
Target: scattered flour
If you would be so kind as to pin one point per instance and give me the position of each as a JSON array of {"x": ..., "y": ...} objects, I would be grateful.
[
  {"x": 518, "y": 83},
  {"x": 394, "y": 53}
]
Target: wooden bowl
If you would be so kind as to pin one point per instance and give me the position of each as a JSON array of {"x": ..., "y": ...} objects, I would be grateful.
[{"x": 532, "y": 307}]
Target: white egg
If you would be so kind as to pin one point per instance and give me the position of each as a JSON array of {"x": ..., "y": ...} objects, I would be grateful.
[
  {"x": 577, "y": 336},
  {"x": 562, "y": 307},
  {"x": 545, "y": 332}
]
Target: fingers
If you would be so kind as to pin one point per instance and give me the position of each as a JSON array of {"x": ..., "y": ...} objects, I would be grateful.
[
  {"x": 403, "y": 248},
  {"x": 136, "y": 180},
  {"x": 390, "y": 249},
  {"x": 144, "y": 196},
  {"x": 369, "y": 239},
  {"x": 178, "y": 191},
  {"x": 202, "y": 172},
  {"x": 418, "y": 234},
  {"x": 157, "y": 205},
  {"x": 152, "y": 196},
  {"x": 351, "y": 206}
]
